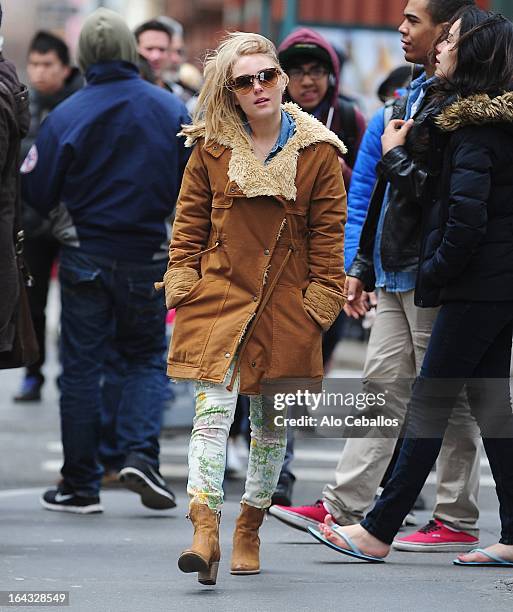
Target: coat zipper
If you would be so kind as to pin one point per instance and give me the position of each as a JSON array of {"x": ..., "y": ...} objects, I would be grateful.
[{"x": 256, "y": 315}]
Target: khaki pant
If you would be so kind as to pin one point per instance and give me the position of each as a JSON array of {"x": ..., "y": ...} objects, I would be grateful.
[{"x": 398, "y": 341}]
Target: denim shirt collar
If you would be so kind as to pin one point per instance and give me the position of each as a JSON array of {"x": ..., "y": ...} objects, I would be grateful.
[
  {"x": 417, "y": 90},
  {"x": 287, "y": 129},
  {"x": 418, "y": 82}
]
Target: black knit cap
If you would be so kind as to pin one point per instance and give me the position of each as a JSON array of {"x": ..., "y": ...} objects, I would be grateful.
[{"x": 303, "y": 52}]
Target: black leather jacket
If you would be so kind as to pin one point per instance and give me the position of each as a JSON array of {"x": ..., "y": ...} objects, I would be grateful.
[
  {"x": 14, "y": 121},
  {"x": 405, "y": 175}
]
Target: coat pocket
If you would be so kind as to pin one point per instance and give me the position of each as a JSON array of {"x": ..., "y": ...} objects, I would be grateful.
[
  {"x": 222, "y": 200},
  {"x": 195, "y": 318},
  {"x": 74, "y": 278},
  {"x": 296, "y": 340},
  {"x": 310, "y": 318},
  {"x": 190, "y": 294}
]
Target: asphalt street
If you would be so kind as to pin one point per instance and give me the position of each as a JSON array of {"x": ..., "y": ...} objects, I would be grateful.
[{"x": 125, "y": 559}]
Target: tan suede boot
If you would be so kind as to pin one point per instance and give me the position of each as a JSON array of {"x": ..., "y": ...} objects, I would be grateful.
[
  {"x": 246, "y": 543},
  {"x": 204, "y": 554}
]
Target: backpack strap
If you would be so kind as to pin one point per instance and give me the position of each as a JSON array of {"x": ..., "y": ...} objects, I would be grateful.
[
  {"x": 388, "y": 112},
  {"x": 349, "y": 129}
]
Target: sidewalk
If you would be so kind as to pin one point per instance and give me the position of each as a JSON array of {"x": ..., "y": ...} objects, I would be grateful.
[{"x": 125, "y": 561}]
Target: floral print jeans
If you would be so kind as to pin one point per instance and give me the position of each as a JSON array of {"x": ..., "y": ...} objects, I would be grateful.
[{"x": 215, "y": 409}]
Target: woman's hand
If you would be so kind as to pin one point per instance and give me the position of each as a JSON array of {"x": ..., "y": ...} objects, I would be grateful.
[{"x": 395, "y": 134}]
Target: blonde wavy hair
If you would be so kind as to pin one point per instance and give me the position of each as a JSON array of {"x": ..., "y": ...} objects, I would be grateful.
[{"x": 216, "y": 105}]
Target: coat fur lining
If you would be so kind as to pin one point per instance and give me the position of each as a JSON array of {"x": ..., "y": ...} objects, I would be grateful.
[
  {"x": 278, "y": 177},
  {"x": 476, "y": 110}
]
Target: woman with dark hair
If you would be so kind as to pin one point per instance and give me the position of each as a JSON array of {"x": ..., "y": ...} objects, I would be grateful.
[{"x": 462, "y": 161}]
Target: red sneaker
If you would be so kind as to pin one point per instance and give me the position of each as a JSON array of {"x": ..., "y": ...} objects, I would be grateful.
[
  {"x": 300, "y": 517},
  {"x": 436, "y": 537}
]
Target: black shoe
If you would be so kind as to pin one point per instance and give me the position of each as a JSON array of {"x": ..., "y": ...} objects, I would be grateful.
[
  {"x": 30, "y": 389},
  {"x": 61, "y": 500},
  {"x": 283, "y": 494},
  {"x": 140, "y": 477}
]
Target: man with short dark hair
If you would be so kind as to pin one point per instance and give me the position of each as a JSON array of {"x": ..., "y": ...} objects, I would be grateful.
[
  {"x": 388, "y": 259},
  {"x": 107, "y": 166},
  {"x": 52, "y": 80},
  {"x": 154, "y": 40},
  {"x": 48, "y": 65}
]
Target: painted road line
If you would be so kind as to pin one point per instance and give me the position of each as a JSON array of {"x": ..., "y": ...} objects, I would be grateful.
[
  {"x": 300, "y": 454},
  {"x": 17, "y": 492},
  {"x": 179, "y": 470}
]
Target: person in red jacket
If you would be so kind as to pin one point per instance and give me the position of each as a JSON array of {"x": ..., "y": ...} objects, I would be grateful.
[{"x": 313, "y": 67}]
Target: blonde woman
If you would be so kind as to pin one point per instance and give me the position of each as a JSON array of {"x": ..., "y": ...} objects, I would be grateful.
[{"x": 256, "y": 273}]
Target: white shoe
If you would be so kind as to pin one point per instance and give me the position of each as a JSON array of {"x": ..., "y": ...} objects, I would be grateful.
[
  {"x": 242, "y": 448},
  {"x": 233, "y": 462},
  {"x": 410, "y": 520}
]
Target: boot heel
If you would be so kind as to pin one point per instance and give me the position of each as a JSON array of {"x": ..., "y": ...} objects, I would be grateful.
[{"x": 210, "y": 576}]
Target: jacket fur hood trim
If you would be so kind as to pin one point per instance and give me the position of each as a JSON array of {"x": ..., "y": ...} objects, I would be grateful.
[
  {"x": 252, "y": 176},
  {"x": 476, "y": 110}
]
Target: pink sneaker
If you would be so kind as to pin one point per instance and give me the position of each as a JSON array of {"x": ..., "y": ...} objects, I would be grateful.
[
  {"x": 436, "y": 537},
  {"x": 300, "y": 517}
]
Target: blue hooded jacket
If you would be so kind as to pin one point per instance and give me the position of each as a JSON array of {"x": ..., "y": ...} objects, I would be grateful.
[
  {"x": 364, "y": 177},
  {"x": 107, "y": 165},
  {"x": 362, "y": 184}
]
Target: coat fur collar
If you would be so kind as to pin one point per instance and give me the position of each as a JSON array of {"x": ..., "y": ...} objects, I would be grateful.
[
  {"x": 476, "y": 110},
  {"x": 277, "y": 178}
]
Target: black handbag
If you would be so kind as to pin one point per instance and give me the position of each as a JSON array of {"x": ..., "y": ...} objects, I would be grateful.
[{"x": 25, "y": 350}]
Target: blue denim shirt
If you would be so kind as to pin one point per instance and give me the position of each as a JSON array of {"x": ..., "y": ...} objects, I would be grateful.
[
  {"x": 287, "y": 130},
  {"x": 398, "y": 282}
]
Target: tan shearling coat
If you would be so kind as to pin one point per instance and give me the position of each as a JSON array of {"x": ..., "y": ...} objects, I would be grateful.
[{"x": 256, "y": 258}]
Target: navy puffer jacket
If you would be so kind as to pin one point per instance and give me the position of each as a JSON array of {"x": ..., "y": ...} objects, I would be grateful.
[{"x": 467, "y": 233}]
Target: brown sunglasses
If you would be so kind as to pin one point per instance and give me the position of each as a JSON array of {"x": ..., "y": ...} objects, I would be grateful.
[{"x": 243, "y": 84}]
